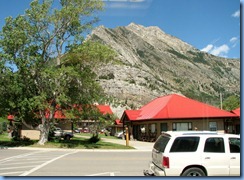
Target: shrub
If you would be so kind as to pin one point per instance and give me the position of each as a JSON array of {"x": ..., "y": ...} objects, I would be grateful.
[
  {"x": 4, "y": 126},
  {"x": 94, "y": 139}
]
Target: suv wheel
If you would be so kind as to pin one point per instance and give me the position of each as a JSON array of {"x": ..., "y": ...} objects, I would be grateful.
[
  {"x": 193, "y": 172},
  {"x": 67, "y": 137}
]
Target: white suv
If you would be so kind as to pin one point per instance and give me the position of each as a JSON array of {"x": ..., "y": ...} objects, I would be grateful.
[{"x": 195, "y": 153}]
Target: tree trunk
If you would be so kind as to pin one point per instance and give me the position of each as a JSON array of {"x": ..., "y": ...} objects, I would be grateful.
[
  {"x": 44, "y": 131},
  {"x": 45, "y": 126}
]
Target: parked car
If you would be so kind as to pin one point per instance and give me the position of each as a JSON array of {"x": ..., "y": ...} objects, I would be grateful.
[
  {"x": 105, "y": 131},
  {"x": 76, "y": 131},
  {"x": 58, "y": 132},
  {"x": 85, "y": 130},
  {"x": 119, "y": 134},
  {"x": 195, "y": 153}
]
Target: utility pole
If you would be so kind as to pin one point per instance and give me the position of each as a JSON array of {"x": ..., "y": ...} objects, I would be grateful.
[
  {"x": 127, "y": 136},
  {"x": 221, "y": 106}
]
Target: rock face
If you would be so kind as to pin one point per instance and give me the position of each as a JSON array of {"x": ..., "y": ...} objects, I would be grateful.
[{"x": 152, "y": 63}]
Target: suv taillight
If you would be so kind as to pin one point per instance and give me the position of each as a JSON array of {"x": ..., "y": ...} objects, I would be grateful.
[{"x": 165, "y": 162}]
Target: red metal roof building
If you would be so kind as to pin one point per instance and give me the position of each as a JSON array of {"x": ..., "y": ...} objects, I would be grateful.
[
  {"x": 59, "y": 113},
  {"x": 176, "y": 112},
  {"x": 104, "y": 109},
  {"x": 176, "y": 107},
  {"x": 63, "y": 121}
]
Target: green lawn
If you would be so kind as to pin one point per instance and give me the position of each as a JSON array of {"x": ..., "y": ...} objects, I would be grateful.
[
  {"x": 4, "y": 137},
  {"x": 74, "y": 143},
  {"x": 100, "y": 135},
  {"x": 5, "y": 141}
]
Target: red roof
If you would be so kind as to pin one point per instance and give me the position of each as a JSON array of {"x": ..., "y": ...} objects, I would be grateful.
[
  {"x": 237, "y": 112},
  {"x": 117, "y": 122},
  {"x": 59, "y": 114},
  {"x": 10, "y": 117},
  {"x": 132, "y": 114},
  {"x": 176, "y": 107},
  {"x": 104, "y": 109}
]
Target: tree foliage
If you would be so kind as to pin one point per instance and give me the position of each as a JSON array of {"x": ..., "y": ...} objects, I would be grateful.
[
  {"x": 231, "y": 103},
  {"x": 45, "y": 62}
]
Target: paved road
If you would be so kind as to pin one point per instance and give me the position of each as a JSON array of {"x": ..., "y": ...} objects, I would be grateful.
[
  {"x": 67, "y": 162},
  {"x": 22, "y": 163},
  {"x": 56, "y": 162}
]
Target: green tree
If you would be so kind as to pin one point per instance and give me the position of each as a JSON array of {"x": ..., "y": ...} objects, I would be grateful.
[
  {"x": 231, "y": 103},
  {"x": 45, "y": 64}
]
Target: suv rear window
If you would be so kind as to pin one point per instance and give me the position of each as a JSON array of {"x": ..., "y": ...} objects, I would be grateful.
[
  {"x": 234, "y": 144},
  {"x": 161, "y": 143},
  {"x": 185, "y": 144}
]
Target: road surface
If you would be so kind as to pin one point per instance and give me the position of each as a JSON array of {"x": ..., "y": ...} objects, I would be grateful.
[{"x": 57, "y": 162}]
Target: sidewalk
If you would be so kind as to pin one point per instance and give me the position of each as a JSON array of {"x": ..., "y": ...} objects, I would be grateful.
[{"x": 139, "y": 145}]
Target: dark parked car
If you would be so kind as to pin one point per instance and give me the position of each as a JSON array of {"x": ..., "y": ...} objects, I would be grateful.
[{"x": 58, "y": 132}]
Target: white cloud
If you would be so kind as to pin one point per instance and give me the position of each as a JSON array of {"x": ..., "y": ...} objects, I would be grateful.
[
  {"x": 221, "y": 50},
  {"x": 234, "y": 41},
  {"x": 128, "y": 4},
  {"x": 207, "y": 48},
  {"x": 217, "y": 50},
  {"x": 236, "y": 14}
]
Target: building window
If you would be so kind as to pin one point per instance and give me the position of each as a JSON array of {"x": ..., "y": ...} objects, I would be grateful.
[
  {"x": 182, "y": 126},
  {"x": 143, "y": 129},
  {"x": 163, "y": 127},
  {"x": 213, "y": 126},
  {"x": 152, "y": 128}
]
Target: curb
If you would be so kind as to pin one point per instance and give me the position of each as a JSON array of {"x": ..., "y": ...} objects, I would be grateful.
[{"x": 84, "y": 150}]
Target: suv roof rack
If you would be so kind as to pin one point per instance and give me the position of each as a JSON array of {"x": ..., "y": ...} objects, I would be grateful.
[
  {"x": 200, "y": 132},
  {"x": 189, "y": 132}
]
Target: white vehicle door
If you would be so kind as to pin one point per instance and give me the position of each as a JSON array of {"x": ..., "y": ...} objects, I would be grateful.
[
  {"x": 234, "y": 146},
  {"x": 214, "y": 158}
]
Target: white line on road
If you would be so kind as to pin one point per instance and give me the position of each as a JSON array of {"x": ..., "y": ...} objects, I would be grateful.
[
  {"x": 15, "y": 163},
  {"x": 104, "y": 173},
  {"x": 46, "y": 163},
  {"x": 18, "y": 167},
  {"x": 11, "y": 173},
  {"x": 32, "y": 159},
  {"x": 18, "y": 156}
]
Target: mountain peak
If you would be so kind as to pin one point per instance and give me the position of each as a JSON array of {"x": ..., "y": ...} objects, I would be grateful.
[
  {"x": 152, "y": 63},
  {"x": 132, "y": 24},
  {"x": 150, "y": 29}
]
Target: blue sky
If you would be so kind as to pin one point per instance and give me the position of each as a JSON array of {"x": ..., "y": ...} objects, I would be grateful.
[{"x": 209, "y": 25}]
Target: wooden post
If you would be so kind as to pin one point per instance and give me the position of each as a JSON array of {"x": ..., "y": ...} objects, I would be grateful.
[{"x": 127, "y": 136}]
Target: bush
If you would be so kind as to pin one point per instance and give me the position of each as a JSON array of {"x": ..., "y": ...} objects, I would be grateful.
[
  {"x": 4, "y": 126},
  {"x": 94, "y": 139}
]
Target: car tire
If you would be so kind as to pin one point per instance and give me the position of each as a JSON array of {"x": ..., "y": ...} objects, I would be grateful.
[
  {"x": 193, "y": 172},
  {"x": 67, "y": 137}
]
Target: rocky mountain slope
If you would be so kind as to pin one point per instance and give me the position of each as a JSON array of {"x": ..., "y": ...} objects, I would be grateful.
[{"x": 152, "y": 63}]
